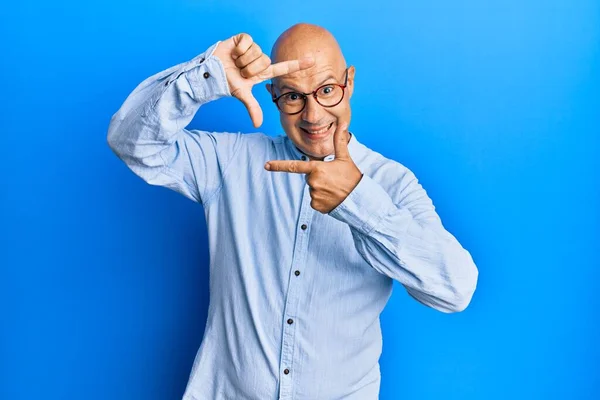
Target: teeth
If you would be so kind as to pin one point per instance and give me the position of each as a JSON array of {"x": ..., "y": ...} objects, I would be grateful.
[{"x": 319, "y": 131}]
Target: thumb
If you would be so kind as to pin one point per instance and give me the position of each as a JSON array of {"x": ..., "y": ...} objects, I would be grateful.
[
  {"x": 256, "y": 114},
  {"x": 340, "y": 140}
]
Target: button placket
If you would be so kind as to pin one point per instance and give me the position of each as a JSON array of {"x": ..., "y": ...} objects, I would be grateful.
[{"x": 291, "y": 306}]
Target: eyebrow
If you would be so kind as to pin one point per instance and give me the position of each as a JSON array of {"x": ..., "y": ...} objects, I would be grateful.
[{"x": 319, "y": 85}]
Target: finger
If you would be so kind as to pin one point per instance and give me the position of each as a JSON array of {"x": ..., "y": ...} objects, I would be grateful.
[
  {"x": 310, "y": 181},
  {"x": 340, "y": 141},
  {"x": 242, "y": 41},
  {"x": 286, "y": 67},
  {"x": 256, "y": 114},
  {"x": 256, "y": 67},
  {"x": 253, "y": 53},
  {"x": 295, "y": 166}
]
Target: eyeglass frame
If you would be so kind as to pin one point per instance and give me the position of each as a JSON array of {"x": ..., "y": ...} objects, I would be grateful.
[{"x": 314, "y": 95}]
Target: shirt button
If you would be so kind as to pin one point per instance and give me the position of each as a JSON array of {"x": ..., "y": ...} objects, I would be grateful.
[
  {"x": 304, "y": 227},
  {"x": 303, "y": 158},
  {"x": 206, "y": 75},
  {"x": 200, "y": 61},
  {"x": 297, "y": 273},
  {"x": 290, "y": 321},
  {"x": 286, "y": 371}
]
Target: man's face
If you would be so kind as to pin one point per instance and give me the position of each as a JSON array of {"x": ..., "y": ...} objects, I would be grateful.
[{"x": 311, "y": 130}]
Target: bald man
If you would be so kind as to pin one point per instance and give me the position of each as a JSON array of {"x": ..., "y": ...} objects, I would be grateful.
[{"x": 307, "y": 230}]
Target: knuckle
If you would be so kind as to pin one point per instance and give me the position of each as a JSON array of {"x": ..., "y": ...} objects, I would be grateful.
[
  {"x": 267, "y": 60},
  {"x": 316, "y": 205},
  {"x": 239, "y": 62},
  {"x": 245, "y": 73},
  {"x": 245, "y": 36},
  {"x": 243, "y": 43},
  {"x": 257, "y": 60},
  {"x": 318, "y": 170},
  {"x": 264, "y": 64},
  {"x": 253, "y": 68},
  {"x": 237, "y": 39}
]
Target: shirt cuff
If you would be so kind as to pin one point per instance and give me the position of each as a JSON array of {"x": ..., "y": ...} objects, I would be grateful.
[
  {"x": 207, "y": 76},
  {"x": 365, "y": 206}
]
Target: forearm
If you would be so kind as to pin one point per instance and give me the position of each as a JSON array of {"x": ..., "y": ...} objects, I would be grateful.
[
  {"x": 157, "y": 111},
  {"x": 409, "y": 244}
]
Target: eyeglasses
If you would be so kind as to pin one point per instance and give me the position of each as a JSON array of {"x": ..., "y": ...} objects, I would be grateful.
[{"x": 328, "y": 95}]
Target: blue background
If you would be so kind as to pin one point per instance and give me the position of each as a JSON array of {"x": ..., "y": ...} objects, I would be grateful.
[{"x": 495, "y": 105}]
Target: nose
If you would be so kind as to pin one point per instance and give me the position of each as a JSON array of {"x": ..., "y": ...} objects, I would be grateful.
[{"x": 312, "y": 111}]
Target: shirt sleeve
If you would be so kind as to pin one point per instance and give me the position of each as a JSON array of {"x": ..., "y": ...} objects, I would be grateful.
[
  {"x": 149, "y": 131},
  {"x": 407, "y": 242}
]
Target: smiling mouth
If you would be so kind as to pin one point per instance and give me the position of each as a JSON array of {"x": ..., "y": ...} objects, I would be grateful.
[{"x": 318, "y": 131}]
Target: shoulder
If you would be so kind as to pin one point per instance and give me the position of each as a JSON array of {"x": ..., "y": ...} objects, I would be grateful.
[{"x": 395, "y": 177}]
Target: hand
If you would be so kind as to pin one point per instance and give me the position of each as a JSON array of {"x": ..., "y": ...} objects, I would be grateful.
[
  {"x": 329, "y": 182},
  {"x": 246, "y": 65}
]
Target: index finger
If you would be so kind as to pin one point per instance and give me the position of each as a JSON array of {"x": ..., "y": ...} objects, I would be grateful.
[
  {"x": 286, "y": 67},
  {"x": 295, "y": 166}
]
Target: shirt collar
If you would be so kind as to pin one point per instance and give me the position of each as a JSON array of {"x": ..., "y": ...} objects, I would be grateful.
[{"x": 354, "y": 148}]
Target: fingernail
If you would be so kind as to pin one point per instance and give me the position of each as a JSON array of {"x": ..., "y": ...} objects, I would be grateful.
[{"x": 268, "y": 166}]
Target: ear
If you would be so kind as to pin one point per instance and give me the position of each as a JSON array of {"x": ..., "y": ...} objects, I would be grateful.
[
  {"x": 350, "y": 88},
  {"x": 269, "y": 88}
]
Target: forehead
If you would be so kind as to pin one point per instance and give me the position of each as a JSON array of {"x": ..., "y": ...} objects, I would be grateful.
[{"x": 327, "y": 64}]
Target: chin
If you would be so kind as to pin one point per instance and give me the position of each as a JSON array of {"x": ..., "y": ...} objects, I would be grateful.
[
  {"x": 317, "y": 150},
  {"x": 318, "y": 154}
]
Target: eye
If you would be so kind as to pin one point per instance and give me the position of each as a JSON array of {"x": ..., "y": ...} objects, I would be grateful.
[
  {"x": 292, "y": 97},
  {"x": 326, "y": 91}
]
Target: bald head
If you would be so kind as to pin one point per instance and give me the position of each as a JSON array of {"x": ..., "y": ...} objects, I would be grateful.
[
  {"x": 310, "y": 121},
  {"x": 307, "y": 39}
]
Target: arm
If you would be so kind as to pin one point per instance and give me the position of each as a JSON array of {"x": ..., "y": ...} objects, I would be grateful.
[
  {"x": 404, "y": 240},
  {"x": 148, "y": 131},
  {"x": 407, "y": 242}
]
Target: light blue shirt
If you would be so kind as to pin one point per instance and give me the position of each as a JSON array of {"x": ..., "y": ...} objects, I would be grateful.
[{"x": 295, "y": 295}]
